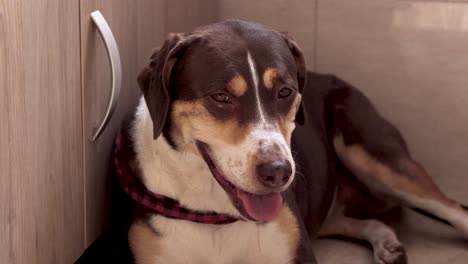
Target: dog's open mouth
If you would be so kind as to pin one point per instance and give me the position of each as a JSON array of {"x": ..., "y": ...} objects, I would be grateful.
[{"x": 256, "y": 207}]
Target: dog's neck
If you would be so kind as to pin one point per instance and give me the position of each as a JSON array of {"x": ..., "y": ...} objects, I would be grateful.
[{"x": 180, "y": 174}]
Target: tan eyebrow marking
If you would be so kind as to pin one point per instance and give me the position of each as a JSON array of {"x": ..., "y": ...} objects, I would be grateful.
[
  {"x": 192, "y": 115},
  {"x": 237, "y": 86},
  {"x": 269, "y": 76}
]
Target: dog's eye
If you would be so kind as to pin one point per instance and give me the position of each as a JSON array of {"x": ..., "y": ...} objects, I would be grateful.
[
  {"x": 285, "y": 92},
  {"x": 221, "y": 98}
]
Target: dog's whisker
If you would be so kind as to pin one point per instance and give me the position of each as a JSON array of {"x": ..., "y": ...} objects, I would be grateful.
[{"x": 301, "y": 174}]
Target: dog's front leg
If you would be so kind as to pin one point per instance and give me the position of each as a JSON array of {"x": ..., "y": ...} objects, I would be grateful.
[
  {"x": 387, "y": 248},
  {"x": 304, "y": 252}
]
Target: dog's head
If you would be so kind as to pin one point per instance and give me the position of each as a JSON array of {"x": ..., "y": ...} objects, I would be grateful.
[{"x": 231, "y": 92}]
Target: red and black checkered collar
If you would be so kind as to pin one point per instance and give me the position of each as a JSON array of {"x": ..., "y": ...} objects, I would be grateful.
[{"x": 156, "y": 203}]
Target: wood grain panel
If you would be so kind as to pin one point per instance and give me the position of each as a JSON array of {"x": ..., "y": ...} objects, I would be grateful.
[
  {"x": 41, "y": 174},
  {"x": 138, "y": 26}
]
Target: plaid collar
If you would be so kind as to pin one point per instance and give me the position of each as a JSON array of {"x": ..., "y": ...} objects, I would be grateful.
[{"x": 156, "y": 203}]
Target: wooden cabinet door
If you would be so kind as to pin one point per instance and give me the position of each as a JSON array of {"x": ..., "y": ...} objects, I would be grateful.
[
  {"x": 138, "y": 26},
  {"x": 41, "y": 153}
]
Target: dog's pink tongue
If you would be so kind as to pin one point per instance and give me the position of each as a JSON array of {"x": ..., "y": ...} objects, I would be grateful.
[{"x": 262, "y": 208}]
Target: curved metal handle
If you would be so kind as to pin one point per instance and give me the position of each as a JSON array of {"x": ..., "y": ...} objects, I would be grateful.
[{"x": 116, "y": 69}]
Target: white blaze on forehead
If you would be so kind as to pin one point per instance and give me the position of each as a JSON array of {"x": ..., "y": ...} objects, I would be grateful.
[{"x": 253, "y": 71}]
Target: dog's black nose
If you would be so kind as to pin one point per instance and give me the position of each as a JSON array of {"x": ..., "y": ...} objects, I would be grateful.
[{"x": 274, "y": 174}]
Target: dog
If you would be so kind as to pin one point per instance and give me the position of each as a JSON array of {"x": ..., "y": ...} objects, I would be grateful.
[{"x": 238, "y": 154}]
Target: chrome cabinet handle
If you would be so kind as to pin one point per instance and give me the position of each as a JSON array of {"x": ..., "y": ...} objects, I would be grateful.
[{"x": 116, "y": 69}]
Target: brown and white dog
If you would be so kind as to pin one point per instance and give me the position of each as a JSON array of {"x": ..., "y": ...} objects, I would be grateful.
[{"x": 226, "y": 98}]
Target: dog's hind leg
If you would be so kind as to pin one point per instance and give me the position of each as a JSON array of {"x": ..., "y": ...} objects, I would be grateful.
[
  {"x": 386, "y": 246},
  {"x": 403, "y": 179},
  {"x": 376, "y": 153}
]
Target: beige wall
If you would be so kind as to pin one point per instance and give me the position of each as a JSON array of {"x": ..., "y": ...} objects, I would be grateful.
[
  {"x": 185, "y": 15},
  {"x": 295, "y": 16},
  {"x": 411, "y": 59}
]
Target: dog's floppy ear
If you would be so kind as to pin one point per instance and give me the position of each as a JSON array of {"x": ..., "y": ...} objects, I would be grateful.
[
  {"x": 154, "y": 78},
  {"x": 301, "y": 73}
]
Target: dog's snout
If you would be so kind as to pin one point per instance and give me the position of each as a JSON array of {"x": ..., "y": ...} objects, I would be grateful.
[{"x": 274, "y": 174}]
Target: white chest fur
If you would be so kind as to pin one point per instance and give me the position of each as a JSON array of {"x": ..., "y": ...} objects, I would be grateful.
[{"x": 239, "y": 242}]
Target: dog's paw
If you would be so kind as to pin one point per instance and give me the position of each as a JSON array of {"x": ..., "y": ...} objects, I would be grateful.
[{"x": 390, "y": 252}]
